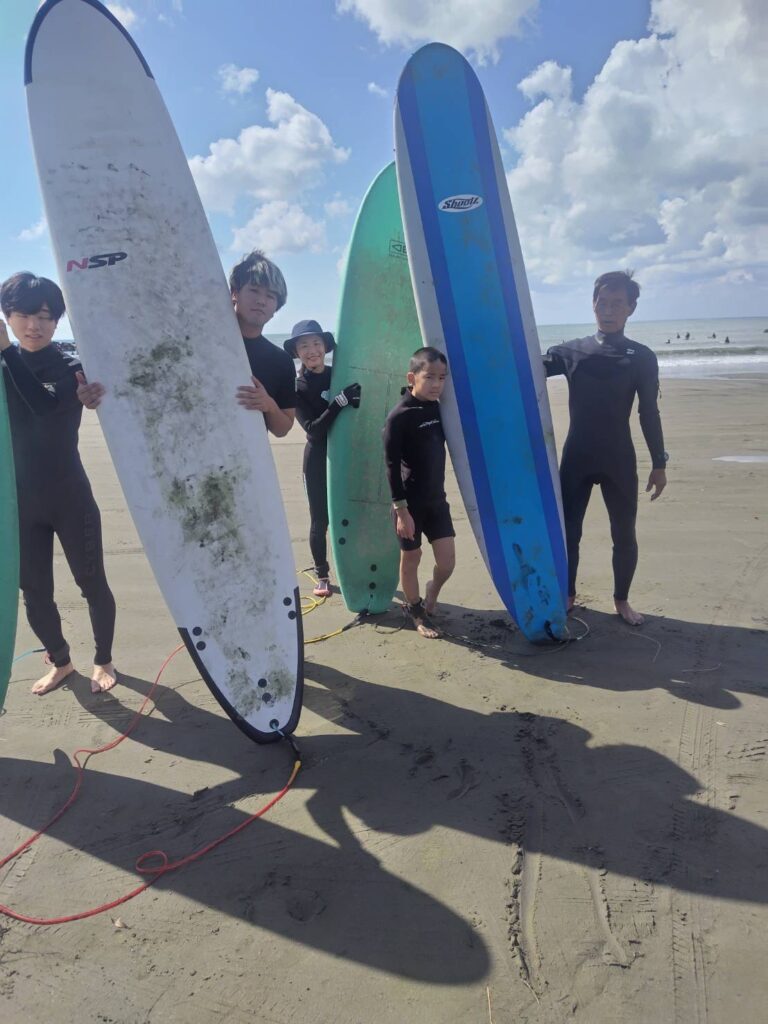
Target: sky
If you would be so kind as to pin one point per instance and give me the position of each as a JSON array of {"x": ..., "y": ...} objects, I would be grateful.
[{"x": 633, "y": 135}]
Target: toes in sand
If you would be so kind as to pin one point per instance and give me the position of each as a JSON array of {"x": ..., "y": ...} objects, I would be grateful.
[
  {"x": 52, "y": 679},
  {"x": 103, "y": 678}
]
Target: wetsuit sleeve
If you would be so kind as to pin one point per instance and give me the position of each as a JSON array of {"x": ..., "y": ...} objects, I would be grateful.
[
  {"x": 648, "y": 408},
  {"x": 393, "y": 451},
  {"x": 316, "y": 423},
  {"x": 554, "y": 364},
  {"x": 35, "y": 395}
]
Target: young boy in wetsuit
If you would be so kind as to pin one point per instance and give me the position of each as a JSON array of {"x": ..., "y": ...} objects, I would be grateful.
[
  {"x": 414, "y": 452},
  {"x": 54, "y": 494},
  {"x": 316, "y": 412},
  {"x": 604, "y": 373}
]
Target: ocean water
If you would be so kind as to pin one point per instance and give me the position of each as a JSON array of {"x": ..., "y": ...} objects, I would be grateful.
[
  {"x": 684, "y": 348},
  {"x": 688, "y": 348}
]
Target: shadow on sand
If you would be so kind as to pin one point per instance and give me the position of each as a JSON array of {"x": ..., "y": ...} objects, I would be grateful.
[{"x": 406, "y": 763}]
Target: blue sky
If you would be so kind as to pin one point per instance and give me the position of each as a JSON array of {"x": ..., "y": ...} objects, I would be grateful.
[{"x": 630, "y": 132}]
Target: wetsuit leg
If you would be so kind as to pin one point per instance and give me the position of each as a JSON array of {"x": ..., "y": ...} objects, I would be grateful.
[
  {"x": 620, "y": 498},
  {"x": 317, "y": 495},
  {"x": 36, "y": 584},
  {"x": 78, "y": 527},
  {"x": 576, "y": 488}
]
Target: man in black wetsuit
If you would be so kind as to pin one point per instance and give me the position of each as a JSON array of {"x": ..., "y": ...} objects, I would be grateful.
[
  {"x": 54, "y": 494},
  {"x": 414, "y": 452},
  {"x": 604, "y": 373},
  {"x": 316, "y": 412},
  {"x": 258, "y": 291}
]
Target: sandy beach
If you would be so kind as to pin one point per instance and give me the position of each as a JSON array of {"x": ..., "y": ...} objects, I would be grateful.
[{"x": 494, "y": 834}]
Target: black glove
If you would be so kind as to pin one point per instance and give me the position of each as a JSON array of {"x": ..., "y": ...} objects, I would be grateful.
[{"x": 349, "y": 396}]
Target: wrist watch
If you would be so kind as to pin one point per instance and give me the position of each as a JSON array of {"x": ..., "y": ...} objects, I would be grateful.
[{"x": 400, "y": 503}]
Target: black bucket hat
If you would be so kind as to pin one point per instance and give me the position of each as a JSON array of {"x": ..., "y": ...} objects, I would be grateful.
[{"x": 301, "y": 330}]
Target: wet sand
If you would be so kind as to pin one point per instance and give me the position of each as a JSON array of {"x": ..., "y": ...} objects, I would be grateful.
[{"x": 479, "y": 833}]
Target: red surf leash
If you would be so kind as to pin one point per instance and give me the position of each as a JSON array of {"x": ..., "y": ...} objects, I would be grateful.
[{"x": 166, "y": 865}]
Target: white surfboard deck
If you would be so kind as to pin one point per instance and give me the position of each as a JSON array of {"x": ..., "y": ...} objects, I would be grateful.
[{"x": 153, "y": 320}]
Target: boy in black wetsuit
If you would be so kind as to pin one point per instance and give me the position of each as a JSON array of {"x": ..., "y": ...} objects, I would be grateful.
[
  {"x": 316, "y": 412},
  {"x": 54, "y": 494},
  {"x": 414, "y": 452},
  {"x": 604, "y": 373},
  {"x": 258, "y": 290}
]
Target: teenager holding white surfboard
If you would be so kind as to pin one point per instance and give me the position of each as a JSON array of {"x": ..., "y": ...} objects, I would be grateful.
[{"x": 54, "y": 493}]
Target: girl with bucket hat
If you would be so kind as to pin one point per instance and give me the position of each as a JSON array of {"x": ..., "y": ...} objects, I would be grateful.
[{"x": 316, "y": 412}]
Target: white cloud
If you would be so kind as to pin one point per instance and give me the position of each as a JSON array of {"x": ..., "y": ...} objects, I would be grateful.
[
  {"x": 237, "y": 80},
  {"x": 377, "y": 90},
  {"x": 124, "y": 14},
  {"x": 337, "y": 207},
  {"x": 657, "y": 166},
  {"x": 466, "y": 24},
  {"x": 34, "y": 232},
  {"x": 278, "y": 162},
  {"x": 279, "y": 226}
]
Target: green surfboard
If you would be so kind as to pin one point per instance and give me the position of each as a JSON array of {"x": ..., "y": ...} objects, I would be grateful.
[
  {"x": 377, "y": 332},
  {"x": 9, "y": 548}
]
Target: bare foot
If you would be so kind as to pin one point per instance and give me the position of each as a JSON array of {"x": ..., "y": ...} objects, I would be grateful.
[
  {"x": 421, "y": 621},
  {"x": 628, "y": 613},
  {"x": 430, "y": 603},
  {"x": 571, "y": 602},
  {"x": 52, "y": 679},
  {"x": 103, "y": 678}
]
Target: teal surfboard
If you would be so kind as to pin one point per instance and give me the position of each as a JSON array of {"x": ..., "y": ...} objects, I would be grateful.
[
  {"x": 9, "y": 548},
  {"x": 473, "y": 301},
  {"x": 378, "y": 331}
]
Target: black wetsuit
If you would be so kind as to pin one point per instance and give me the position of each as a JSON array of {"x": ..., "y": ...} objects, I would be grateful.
[
  {"x": 273, "y": 368},
  {"x": 605, "y": 372},
  {"x": 54, "y": 497},
  {"x": 315, "y": 412},
  {"x": 414, "y": 452}
]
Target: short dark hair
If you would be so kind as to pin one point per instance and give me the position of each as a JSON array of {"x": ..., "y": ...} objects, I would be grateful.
[
  {"x": 618, "y": 280},
  {"x": 423, "y": 356},
  {"x": 26, "y": 293},
  {"x": 256, "y": 269}
]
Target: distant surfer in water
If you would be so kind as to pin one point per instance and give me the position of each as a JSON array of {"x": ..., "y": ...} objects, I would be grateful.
[
  {"x": 54, "y": 493},
  {"x": 414, "y": 452},
  {"x": 258, "y": 291},
  {"x": 604, "y": 373},
  {"x": 316, "y": 411}
]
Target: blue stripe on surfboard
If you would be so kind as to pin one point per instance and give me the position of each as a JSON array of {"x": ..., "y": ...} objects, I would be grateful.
[
  {"x": 463, "y": 297},
  {"x": 480, "y": 120},
  {"x": 46, "y": 9}
]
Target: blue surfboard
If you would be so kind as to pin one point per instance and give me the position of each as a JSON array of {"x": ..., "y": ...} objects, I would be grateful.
[{"x": 473, "y": 303}]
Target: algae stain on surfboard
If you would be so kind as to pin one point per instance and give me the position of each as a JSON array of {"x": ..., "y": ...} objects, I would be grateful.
[
  {"x": 378, "y": 331},
  {"x": 153, "y": 319},
  {"x": 473, "y": 301},
  {"x": 9, "y": 547}
]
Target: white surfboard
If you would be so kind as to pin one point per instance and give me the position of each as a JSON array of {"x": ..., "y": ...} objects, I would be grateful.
[{"x": 153, "y": 320}]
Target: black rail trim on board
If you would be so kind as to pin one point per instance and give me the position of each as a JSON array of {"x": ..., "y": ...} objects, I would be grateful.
[
  {"x": 47, "y": 8},
  {"x": 234, "y": 714}
]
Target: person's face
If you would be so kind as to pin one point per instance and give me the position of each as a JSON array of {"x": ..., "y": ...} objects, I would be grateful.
[
  {"x": 427, "y": 384},
  {"x": 255, "y": 306},
  {"x": 33, "y": 331},
  {"x": 310, "y": 349},
  {"x": 612, "y": 309}
]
